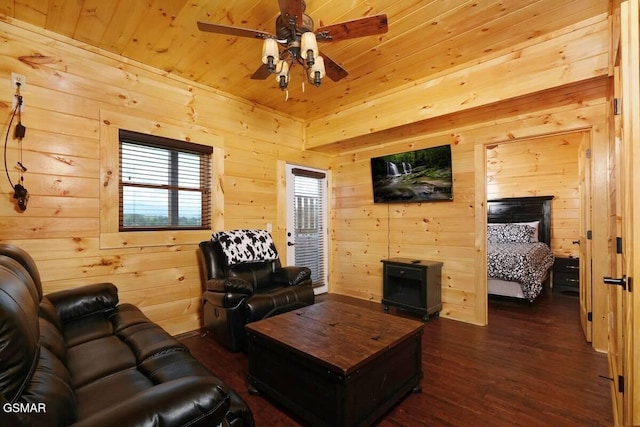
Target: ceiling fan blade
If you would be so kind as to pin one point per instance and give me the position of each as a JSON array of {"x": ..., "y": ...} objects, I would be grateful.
[
  {"x": 261, "y": 73},
  {"x": 234, "y": 31},
  {"x": 361, "y": 27},
  {"x": 334, "y": 71},
  {"x": 292, "y": 9}
]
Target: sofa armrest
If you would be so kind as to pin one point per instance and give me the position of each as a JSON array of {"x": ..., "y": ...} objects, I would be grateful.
[
  {"x": 291, "y": 275},
  {"x": 78, "y": 302},
  {"x": 180, "y": 402},
  {"x": 234, "y": 285}
]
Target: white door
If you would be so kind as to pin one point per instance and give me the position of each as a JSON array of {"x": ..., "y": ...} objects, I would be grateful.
[{"x": 307, "y": 222}]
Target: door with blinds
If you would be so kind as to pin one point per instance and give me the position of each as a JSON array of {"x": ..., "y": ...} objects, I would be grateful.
[{"x": 307, "y": 222}]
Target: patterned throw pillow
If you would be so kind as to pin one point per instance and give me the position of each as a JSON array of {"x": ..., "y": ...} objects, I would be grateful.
[
  {"x": 510, "y": 233},
  {"x": 240, "y": 246}
]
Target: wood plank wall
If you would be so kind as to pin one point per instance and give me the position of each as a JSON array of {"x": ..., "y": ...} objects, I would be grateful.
[
  {"x": 363, "y": 233},
  {"x": 545, "y": 166},
  {"x": 70, "y": 85},
  {"x": 570, "y": 95},
  {"x": 575, "y": 53},
  {"x": 73, "y": 93}
]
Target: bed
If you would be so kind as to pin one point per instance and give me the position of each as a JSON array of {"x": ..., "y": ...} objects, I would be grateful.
[{"x": 519, "y": 259}]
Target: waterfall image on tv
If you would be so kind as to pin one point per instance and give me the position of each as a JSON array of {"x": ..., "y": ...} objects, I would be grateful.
[{"x": 414, "y": 176}]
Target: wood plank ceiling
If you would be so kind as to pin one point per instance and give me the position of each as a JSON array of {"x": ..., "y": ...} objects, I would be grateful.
[{"x": 425, "y": 38}]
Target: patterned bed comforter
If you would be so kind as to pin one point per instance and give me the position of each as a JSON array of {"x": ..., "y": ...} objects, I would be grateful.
[{"x": 526, "y": 263}]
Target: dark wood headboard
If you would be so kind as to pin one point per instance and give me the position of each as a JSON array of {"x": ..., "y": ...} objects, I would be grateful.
[{"x": 523, "y": 209}]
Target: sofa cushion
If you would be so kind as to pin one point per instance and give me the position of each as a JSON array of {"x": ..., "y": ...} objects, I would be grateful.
[
  {"x": 110, "y": 390},
  {"x": 240, "y": 246},
  {"x": 88, "y": 328},
  {"x": 98, "y": 358}
]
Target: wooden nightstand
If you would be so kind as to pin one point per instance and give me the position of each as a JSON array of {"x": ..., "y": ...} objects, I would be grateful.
[{"x": 566, "y": 274}]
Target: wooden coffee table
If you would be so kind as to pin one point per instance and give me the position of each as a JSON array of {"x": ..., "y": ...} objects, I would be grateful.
[{"x": 335, "y": 364}]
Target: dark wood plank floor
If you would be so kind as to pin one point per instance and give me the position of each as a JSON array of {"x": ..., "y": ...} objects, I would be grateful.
[{"x": 530, "y": 367}]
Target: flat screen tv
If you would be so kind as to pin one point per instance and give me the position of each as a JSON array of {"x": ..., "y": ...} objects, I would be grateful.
[{"x": 415, "y": 176}]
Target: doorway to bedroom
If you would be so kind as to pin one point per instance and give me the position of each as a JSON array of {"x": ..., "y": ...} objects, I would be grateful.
[{"x": 552, "y": 165}]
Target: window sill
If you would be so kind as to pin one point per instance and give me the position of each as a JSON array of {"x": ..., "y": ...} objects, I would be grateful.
[{"x": 139, "y": 239}]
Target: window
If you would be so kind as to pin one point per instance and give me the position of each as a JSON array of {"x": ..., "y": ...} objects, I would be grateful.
[{"x": 165, "y": 184}]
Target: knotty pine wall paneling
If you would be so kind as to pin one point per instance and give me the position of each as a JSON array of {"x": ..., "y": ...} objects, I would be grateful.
[
  {"x": 70, "y": 84},
  {"x": 454, "y": 232},
  {"x": 471, "y": 109},
  {"x": 75, "y": 92},
  {"x": 575, "y": 53}
]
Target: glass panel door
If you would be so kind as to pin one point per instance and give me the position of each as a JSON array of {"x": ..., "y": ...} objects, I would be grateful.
[{"x": 306, "y": 222}]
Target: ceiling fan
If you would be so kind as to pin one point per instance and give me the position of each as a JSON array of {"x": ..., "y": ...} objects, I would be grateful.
[{"x": 295, "y": 41}]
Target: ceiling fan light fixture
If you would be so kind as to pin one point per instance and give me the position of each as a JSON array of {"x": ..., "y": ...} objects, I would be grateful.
[
  {"x": 270, "y": 53},
  {"x": 309, "y": 47},
  {"x": 282, "y": 74},
  {"x": 296, "y": 41},
  {"x": 317, "y": 71}
]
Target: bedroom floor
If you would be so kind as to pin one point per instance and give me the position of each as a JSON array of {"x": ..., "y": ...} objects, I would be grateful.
[{"x": 530, "y": 367}]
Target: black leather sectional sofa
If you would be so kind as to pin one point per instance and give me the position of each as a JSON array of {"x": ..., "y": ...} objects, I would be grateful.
[{"x": 77, "y": 357}]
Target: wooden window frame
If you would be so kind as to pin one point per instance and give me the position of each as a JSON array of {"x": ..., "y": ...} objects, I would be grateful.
[{"x": 110, "y": 235}]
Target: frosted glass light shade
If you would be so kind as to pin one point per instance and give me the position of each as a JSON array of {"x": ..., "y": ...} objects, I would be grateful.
[
  {"x": 270, "y": 49},
  {"x": 282, "y": 69},
  {"x": 309, "y": 43},
  {"x": 317, "y": 71}
]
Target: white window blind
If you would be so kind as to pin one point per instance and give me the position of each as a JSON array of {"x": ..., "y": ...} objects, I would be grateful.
[
  {"x": 309, "y": 210},
  {"x": 164, "y": 183}
]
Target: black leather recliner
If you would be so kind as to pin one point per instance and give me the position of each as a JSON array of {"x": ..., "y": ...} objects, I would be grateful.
[{"x": 237, "y": 293}]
